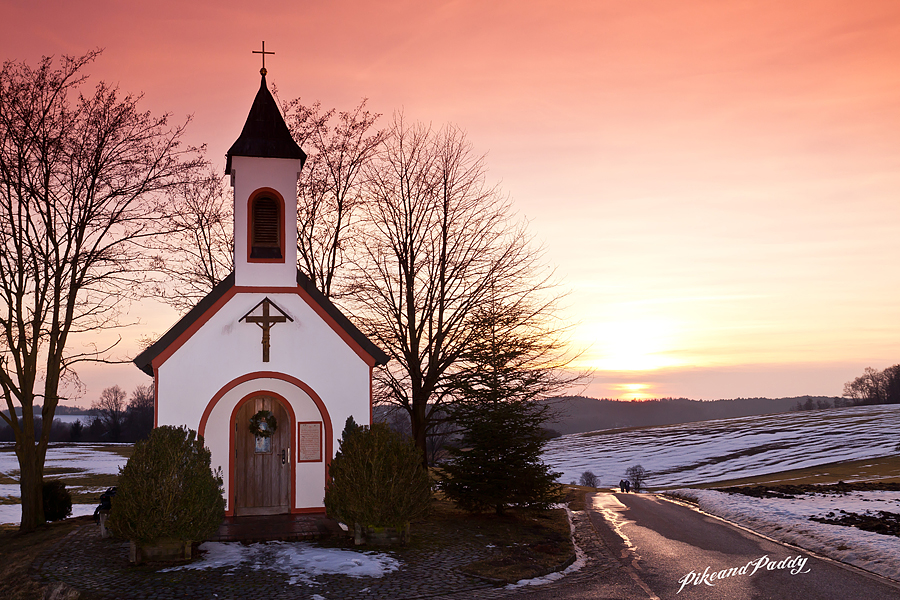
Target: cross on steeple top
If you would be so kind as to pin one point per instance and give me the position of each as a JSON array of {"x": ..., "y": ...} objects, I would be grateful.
[{"x": 263, "y": 52}]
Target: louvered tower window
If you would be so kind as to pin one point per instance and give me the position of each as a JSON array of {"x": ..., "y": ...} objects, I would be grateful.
[{"x": 265, "y": 231}]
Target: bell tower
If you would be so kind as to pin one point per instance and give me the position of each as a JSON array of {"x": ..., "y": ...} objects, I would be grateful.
[{"x": 264, "y": 164}]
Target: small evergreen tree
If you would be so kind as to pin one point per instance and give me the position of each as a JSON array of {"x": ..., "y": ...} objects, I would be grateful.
[
  {"x": 497, "y": 462},
  {"x": 76, "y": 430},
  {"x": 168, "y": 490},
  {"x": 510, "y": 364},
  {"x": 350, "y": 427},
  {"x": 57, "y": 501},
  {"x": 376, "y": 479}
]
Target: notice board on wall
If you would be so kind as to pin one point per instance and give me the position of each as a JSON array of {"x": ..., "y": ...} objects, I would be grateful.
[{"x": 309, "y": 441}]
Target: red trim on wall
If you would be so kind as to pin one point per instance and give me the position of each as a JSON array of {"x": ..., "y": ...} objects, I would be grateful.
[
  {"x": 178, "y": 342},
  {"x": 371, "y": 398},
  {"x": 337, "y": 328},
  {"x": 155, "y": 397},
  {"x": 323, "y": 411},
  {"x": 231, "y": 458},
  {"x": 265, "y": 191},
  {"x": 202, "y": 319}
]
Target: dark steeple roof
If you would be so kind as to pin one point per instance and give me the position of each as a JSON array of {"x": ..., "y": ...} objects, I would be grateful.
[{"x": 265, "y": 133}]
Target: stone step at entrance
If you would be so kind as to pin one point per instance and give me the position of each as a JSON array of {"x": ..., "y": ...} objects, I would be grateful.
[{"x": 288, "y": 528}]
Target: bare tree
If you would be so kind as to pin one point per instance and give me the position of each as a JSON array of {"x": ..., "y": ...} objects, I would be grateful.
[
  {"x": 875, "y": 387},
  {"x": 198, "y": 251},
  {"x": 637, "y": 475},
  {"x": 81, "y": 177},
  {"x": 140, "y": 413},
  {"x": 330, "y": 188},
  {"x": 588, "y": 479},
  {"x": 142, "y": 398},
  {"x": 439, "y": 243},
  {"x": 111, "y": 406}
]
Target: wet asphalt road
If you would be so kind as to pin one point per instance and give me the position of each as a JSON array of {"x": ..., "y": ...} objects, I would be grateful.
[{"x": 672, "y": 550}]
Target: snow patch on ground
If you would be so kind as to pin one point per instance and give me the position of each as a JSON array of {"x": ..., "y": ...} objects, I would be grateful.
[
  {"x": 11, "y": 514},
  {"x": 787, "y": 520},
  {"x": 9, "y": 490},
  {"x": 299, "y": 560}
]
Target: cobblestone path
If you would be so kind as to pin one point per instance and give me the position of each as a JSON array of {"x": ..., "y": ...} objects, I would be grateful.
[{"x": 99, "y": 567}]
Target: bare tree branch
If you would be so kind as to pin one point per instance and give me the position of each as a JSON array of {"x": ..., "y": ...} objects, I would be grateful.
[
  {"x": 331, "y": 185},
  {"x": 440, "y": 244},
  {"x": 83, "y": 178},
  {"x": 197, "y": 252}
]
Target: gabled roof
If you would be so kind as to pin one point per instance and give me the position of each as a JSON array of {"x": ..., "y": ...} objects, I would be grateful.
[
  {"x": 144, "y": 360},
  {"x": 265, "y": 133}
]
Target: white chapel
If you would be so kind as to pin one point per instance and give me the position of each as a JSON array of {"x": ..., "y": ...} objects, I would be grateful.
[{"x": 265, "y": 367}]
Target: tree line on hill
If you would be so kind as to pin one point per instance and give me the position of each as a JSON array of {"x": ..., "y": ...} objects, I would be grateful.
[
  {"x": 874, "y": 387},
  {"x": 576, "y": 414},
  {"x": 111, "y": 418}
]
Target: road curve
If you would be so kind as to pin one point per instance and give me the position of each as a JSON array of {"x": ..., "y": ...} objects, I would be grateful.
[{"x": 672, "y": 550}]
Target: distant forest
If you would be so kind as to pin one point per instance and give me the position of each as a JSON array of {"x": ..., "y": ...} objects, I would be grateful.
[
  {"x": 128, "y": 424},
  {"x": 576, "y": 414}
]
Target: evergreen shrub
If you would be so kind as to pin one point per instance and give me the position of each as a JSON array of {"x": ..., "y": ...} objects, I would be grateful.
[
  {"x": 377, "y": 479},
  {"x": 167, "y": 490},
  {"x": 57, "y": 501}
]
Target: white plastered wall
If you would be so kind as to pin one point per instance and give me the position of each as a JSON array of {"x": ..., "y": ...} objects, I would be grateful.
[
  {"x": 224, "y": 350},
  {"x": 249, "y": 175}
]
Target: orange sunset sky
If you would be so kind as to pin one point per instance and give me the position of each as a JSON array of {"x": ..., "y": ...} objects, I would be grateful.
[{"x": 716, "y": 182}]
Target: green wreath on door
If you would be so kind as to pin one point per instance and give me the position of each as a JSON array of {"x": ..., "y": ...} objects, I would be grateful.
[{"x": 263, "y": 416}]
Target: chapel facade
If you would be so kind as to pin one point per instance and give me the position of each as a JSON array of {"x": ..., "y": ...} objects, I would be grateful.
[{"x": 265, "y": 367}]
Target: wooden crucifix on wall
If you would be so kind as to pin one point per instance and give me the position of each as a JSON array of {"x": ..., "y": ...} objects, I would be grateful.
[{"x": 266, "y": 321}]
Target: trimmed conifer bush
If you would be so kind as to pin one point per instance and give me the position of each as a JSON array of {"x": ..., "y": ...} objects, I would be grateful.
[
  {"x": 167, "y": 490},
  {"x": 57, "y": 501},
  {"x": 377, "y": 479}
]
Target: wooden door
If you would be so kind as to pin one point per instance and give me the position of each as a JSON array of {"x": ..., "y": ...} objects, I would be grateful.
[{"x": 262, "y": 465}]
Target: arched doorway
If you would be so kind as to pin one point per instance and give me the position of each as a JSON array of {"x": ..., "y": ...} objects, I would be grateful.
[{"x": 262, "y": 465}]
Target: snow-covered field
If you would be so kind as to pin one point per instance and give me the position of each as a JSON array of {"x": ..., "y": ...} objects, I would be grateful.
[
  {"x": 69, "y": 464},
  {"x": 708, "y": 451},
  {"x": 12, "y": 513},
  {"x": 787, "y": 520},
  {"x": 84, "y": 459}
]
